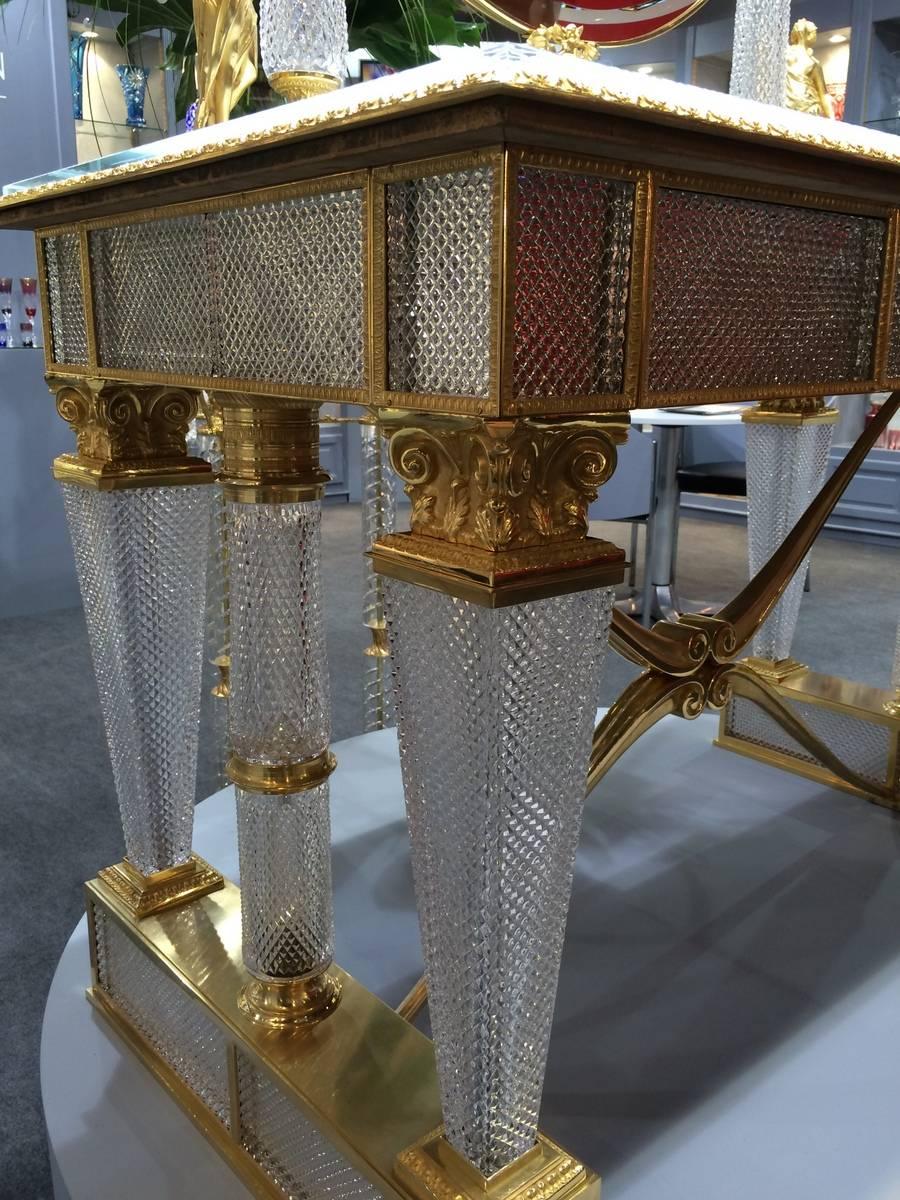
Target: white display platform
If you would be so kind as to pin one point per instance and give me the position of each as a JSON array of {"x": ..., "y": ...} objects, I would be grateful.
[{"x": 729, "y": 1013}]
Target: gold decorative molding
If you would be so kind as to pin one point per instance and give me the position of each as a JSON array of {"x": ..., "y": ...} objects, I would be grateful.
[
  {"x": 504, "y": 485},
  {"x": 280, "y": 779},
  {"x": 127, "y": 435},
  {"x": 793, "y": 410},
  {"x": 270, "y": 450},
  {"x": 433, "y": 1170},
  {"x": 563, "y": 39},
  {"x": 499, "y": 508},
  {"x": 145, "y": 895}
]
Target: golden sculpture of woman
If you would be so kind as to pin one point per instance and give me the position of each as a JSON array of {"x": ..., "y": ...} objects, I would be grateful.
[
  {"x": 806, "y": 89},
  {"x": 227, "y": 56}
]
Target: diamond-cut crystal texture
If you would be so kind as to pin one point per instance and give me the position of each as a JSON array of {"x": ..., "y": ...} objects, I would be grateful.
[
  {"x": 752, "y": 294},
  {"x": 440, "y": 247},
  {"x": 284, "y": 844},
  {"x": 495, "y": 710},
  {"x": 152, "y": 296},
  {"x": 161, "y": 1010},
  {"x": 294, "y": 1154},
  {"x": 785, "y": 470},
  {"x": 893, "y": 354},
  {"x": 759, "y": 55},
  {"x": 895, "y": 673},
  {"x": 279, "y": 705},
  {"x": 378, "y": 517},
  {"x": 572, "y": 262},
  {"x": 62, "y": 255},
  {"x": 141, "y": 557},
  {"x": 864, "y": 746},
  {"x": 273, "y": 292},
  {"x": 303, "y": 36},
  {"x": 296, "y": 269}
]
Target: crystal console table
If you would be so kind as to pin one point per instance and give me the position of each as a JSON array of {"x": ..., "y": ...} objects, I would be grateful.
[{"x": 499, "y": 254}]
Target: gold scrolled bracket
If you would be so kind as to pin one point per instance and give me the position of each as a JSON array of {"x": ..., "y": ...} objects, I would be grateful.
[
  {"x": 499, "y": 507},
  {"x": 270, "y": 450},
  {"x": 433, "y": 1170},
  {"x": 287, "y": 1003},
  {"x": 127, "y": 435},
  {"x": 280, "y": 779},
  {"x": 145, "y": 895},
  {"x": 801, "y": 410}
]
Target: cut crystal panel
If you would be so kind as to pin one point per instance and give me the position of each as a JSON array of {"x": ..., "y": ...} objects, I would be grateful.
[
  {"x": 893, "y": 355},
  {"x": 440, "y": 250},
  {"x": 303, "y": 36},
  {"x": 785, "y": 470},
  {"x": 495, "y": 709},
  {"x": 153, "y": 296},
  {"x": 751, "y": 294},
  {"x": 62, "y": 255},
  {"x": 294, "y": 1154},
  {"x": 171, "y": 1020},
  {"x": 141, "y": 557},
  {"x": 290, "y": 289},
  {"x": 285, "y": 861},
  {"x": 864, "y": 746},
  {"x": 573, "y": 255},
  {"x": 279, "y": 706}
]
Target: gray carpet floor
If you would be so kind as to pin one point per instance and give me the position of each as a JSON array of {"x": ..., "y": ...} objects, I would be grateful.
[{"x": 58, "y": 816}]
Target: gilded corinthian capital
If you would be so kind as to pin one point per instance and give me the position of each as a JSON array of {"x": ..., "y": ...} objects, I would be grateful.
[
  {"x": 127, "y": 435},
  {"x": 499, "y": 508}
]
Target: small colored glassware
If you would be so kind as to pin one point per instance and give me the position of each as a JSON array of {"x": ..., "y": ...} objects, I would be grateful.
[
  {"x": 134, "y": 87},
  {"x": 27, "y": 331},
  {"x": 6, "y": 305},
  {"x": 29, "y": 294}
]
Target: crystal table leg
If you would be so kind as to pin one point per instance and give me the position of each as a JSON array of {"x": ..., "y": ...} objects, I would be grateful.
[
  {"x": 378, "y": 516},
  {"x": 787, "y": 454},
  {"x": 498, "y": 634},
  {"x": 279, "y": 712},
  {"x": 140, "y": 540}
]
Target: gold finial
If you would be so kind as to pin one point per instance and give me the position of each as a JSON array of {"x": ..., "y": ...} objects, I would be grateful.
[
  {"x": 227, "y": 56},
  {"x": 563, "y": 39}
]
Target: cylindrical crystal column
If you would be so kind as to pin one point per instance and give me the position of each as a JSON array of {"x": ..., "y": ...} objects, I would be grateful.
[
  {"x": 304, "y": 45},
  {"x": 139, "y": 526},
  {"x": 759, "y": 56},
  {"x": 787, "y": 454},
  {"x": 495, "y": 710},
  {"x": 378, "y": 517},
  {"x": 279, "y": 711}
]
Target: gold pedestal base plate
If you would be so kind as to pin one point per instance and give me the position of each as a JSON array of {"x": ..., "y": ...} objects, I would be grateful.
[
  {"x": 285, "y": 1003},
  {"x": 364, "y": 1077},
  {"x": 144, "y": 895}
]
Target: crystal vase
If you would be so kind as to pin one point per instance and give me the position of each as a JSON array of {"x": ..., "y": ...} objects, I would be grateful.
[{"x": 134, "y": 88}]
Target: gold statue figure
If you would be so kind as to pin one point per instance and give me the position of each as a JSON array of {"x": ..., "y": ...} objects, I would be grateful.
[
  {"x": 227, "y": 56},
  {"x": 563, "y": 39},
  {"x": 806, "y": 89}
]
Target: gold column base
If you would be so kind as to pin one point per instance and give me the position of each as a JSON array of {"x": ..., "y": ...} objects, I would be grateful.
[
  {"x": 286, "y": 1003},
  {"x": 144, "y": 895},
  {"x": 298, "y": 85},
  {"x": 433, "y": 1170},
  {"x": 776, "y": 669}
]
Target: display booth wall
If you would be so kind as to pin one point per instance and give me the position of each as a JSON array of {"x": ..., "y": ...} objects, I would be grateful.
[{"x": 37, "y": 570}]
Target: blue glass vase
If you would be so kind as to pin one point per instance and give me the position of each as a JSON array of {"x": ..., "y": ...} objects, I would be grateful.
[
  {"x": 77, "y": 46},
  {"x": 134, "y": 86}
]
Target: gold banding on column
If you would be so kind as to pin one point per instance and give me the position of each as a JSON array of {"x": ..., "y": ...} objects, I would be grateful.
[
  {"x": 499, "y": 508},
  {"x": 279, "y": 711},
  {"x": 128, "y": 435},
  {"x": 271, "y": 451},
  {"x": 802, "y": 410}
]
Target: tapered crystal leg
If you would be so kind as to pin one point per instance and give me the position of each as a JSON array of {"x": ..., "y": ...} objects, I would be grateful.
[
  {"x": 141, "y": 558},
  {"x": 785, "y": 469},
  {"x": 495, "y": 714}
]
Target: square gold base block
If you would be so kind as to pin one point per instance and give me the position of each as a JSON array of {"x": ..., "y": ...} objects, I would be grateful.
[
  {"x": 144, "y": 895},
  {"x": 853, "y": 720},
  {"x": 351, "y": 1101}
]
